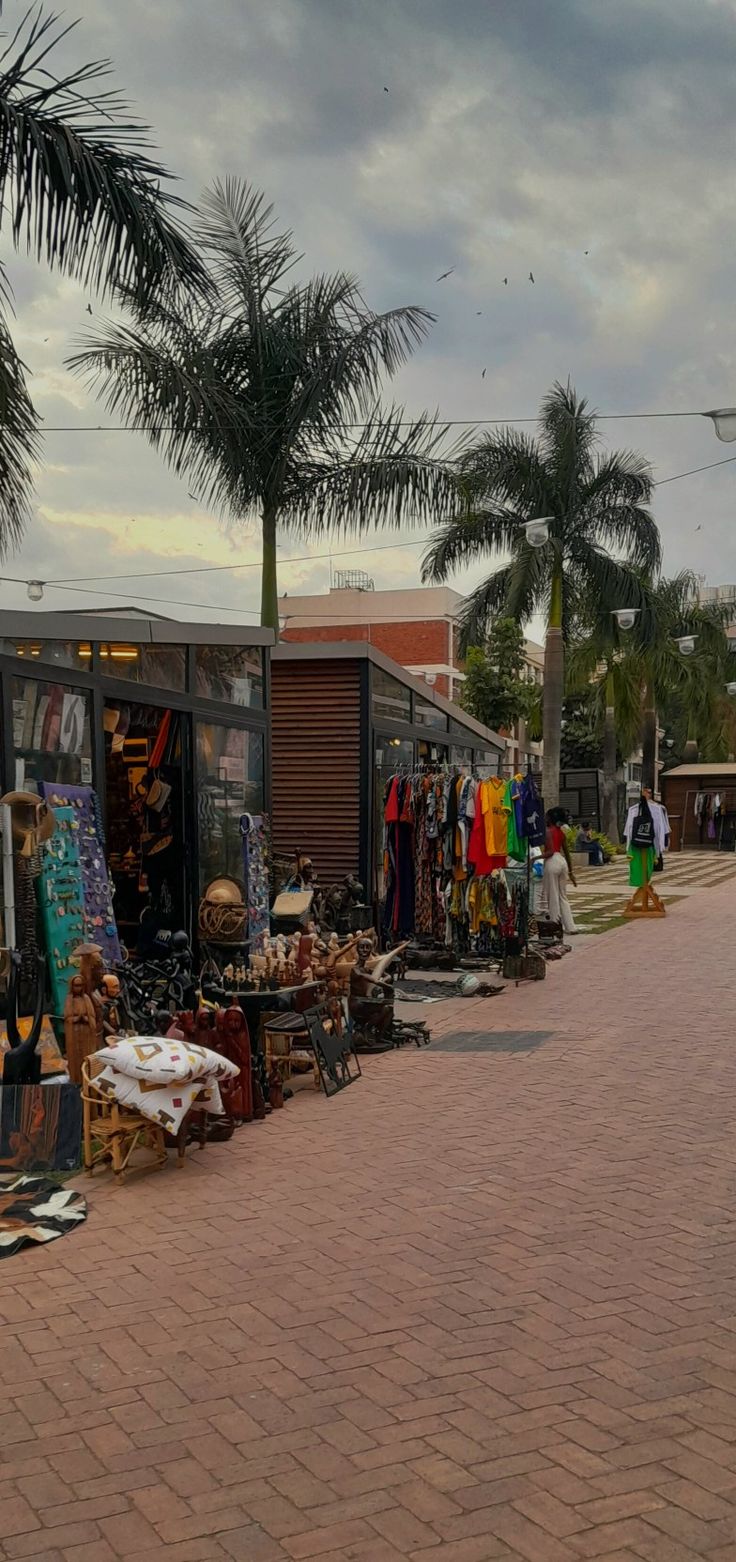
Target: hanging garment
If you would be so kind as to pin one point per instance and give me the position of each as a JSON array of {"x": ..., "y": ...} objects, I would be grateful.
[
  {"x": 515, "y": 846},
  {"x": 478, "y": 854},
  {"x": 533, "y": 812},
  {"x": 641, "y": 865},
  {"x": 495, "y": 816},
  {"x": 423, "y": 859}
]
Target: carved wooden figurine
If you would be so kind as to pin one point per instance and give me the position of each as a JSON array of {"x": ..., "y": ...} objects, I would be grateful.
[{"x": 80, "y": 1027}]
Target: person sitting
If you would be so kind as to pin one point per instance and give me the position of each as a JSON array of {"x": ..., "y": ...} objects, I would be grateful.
[{"x": 585, "y": 842}]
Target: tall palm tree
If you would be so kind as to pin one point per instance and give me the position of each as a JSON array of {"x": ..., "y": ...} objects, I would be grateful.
[
  {"x": 266, "y": 395},
  {"x": 672, "y": 609},
  {"x": 79, "y": 190},
  {"x": 594, "y": 502},
  {"x": 603, "y": 662}
]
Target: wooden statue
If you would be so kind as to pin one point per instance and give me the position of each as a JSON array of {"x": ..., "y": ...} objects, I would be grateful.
[
  {"x": 233, "y": 1042},
  {"x": 80, "y": 1027},
  {"x": 371, "y": 1002},
  {"x": 92, "y": 970},
  {"x": 111, "y": 1020}
]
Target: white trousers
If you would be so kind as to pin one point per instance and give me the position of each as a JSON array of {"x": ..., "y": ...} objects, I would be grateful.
[{"x": 555, "y": 892}]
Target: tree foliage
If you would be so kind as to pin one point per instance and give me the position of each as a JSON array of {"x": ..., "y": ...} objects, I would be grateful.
[
  {"x": 254, "y": 392},
  {"x": 80, "y": 191},
  {"x": 497, "y": 689}
]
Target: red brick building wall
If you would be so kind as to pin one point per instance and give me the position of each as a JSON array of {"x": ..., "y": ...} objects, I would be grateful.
[{"x": 424, "y": 644}]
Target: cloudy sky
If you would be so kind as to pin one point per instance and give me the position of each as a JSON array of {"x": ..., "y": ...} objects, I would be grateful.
[{"x": 516, "y": 135}]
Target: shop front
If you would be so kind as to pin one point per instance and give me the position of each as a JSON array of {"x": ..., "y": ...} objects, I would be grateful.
[
  {"x": 159, "y": 729},
  {"x": 345, "y": 719}
]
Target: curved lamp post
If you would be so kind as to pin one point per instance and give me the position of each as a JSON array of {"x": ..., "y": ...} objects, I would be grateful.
[
  {"x": 724, "y": 423},
  {"x": 685, "y": 644},
  {"x": 625, "y": 616},
  {"x": 537, "y": 531}
]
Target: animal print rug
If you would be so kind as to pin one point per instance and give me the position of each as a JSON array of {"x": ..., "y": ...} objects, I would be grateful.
[{"x": 35, "y": 1209}]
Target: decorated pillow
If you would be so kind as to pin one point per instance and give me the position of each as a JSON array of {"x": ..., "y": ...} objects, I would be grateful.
[
  {"x": 164, "y": 1104},
  {"x": 163, "y": 1061}
]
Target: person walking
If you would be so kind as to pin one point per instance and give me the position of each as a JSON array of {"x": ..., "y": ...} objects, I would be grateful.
[{"x": 558, "y": 871}]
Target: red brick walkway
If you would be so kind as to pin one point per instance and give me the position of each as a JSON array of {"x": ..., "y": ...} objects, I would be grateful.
[{"x": 482, "y": 1306}]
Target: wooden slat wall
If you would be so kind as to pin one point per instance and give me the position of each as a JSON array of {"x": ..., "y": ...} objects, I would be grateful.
[{"x": 315, "y": 762}]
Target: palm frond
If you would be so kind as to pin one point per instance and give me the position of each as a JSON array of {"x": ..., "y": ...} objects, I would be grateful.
[
  {"x": 488, "y": 601},
  {"x": 76, "y": 176},
  {"x": 248, "y": 257},
  {"x": 468, "y": 535},
  {"x": 393, "y": 475},
  {"x": 506, "y": 467},
  {"x": 567, "y": 439},
  {"x": 19, "y": 445}
]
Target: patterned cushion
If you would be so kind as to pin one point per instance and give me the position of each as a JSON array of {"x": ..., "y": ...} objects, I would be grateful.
[
  {"x": 166, "y": 1104},
  {"x": 160, "y": 1061}
]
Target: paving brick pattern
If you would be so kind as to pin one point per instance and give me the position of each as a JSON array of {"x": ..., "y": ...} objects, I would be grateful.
[{"x": 481, "y": 1306}]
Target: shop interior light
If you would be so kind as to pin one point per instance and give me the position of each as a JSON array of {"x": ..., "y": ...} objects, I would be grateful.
[
  {"x": 35, "y": 590},
  {"x": 119, "y": 653},
  {"x": 724, "y": 423},
  {"x": 685, "y": 644}
]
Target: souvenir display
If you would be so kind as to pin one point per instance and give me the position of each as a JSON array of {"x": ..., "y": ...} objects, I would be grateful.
[
  {"x": 61, "y": 900},
  {"x": 99, "y": 917},
  {"x": 256, "y": 855}
]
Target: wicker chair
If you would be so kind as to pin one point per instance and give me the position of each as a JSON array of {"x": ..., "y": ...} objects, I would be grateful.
[{"x": 112, "y": 1132}]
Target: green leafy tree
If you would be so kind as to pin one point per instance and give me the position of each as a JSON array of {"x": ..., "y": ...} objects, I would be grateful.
[
  {"x": 78, "y": 189},
  {"x": 254, "y": 392},
  {"x": 497, "y": 690},
  {"x": 595, "y": 502},
  {"x": 694, "y": 685},
  {"x": 611, "y": 672}
]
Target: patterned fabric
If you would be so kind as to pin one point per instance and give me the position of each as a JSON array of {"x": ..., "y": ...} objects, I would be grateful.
[
  {"x": 162, "y": 1079},
  {"x": 35, "y": 1210}
]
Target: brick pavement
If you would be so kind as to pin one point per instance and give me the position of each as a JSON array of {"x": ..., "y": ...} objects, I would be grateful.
[{"x": 482, "y": 1306}]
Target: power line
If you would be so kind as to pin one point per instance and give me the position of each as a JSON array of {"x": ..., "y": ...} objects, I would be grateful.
[
  {"x": 310, "y": 558},
  {"x": 168, "y": 428}
]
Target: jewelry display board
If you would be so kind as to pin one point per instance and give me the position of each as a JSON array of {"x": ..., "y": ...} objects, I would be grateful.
[
  {"x": 255, "y": 837},
  {"x": 99, "y": 917},
  {"x": 61, "y": 899}
]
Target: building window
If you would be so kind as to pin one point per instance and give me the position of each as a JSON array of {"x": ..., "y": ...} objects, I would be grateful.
[
  {"x": 391, "y": 700},
  {"x": 231, "y": 673},
  {"x": 51, "y": 734},
  {"x": 161, "y": 666},
  {"x": 427, "y": 715},
  {"x": 63, "y": 653},
  {"x": 462, "y": 757},
  {"x": 229, "y": 783}
]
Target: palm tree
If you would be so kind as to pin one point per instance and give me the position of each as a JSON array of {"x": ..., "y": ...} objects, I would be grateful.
[
  {"x": 78, "y": 190},
  {"x": 603, "y": 663},
  {"x": 266, "y": 395},
  {"x": 592, "y": 501},
  {"x": 672, "y": 609}
]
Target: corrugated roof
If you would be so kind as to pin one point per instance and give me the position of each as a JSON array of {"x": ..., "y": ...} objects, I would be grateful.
[{"x": 702, "y": 769}]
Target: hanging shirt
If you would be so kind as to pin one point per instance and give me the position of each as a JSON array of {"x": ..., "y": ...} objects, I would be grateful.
[
  {"x": 531, "y": 803},
  {"x": 495, "y": 811},
  {"x": 514, "y": 845}
]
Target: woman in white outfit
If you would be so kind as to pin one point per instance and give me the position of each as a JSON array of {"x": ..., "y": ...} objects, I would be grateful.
[{"x": 558, "y": 871}]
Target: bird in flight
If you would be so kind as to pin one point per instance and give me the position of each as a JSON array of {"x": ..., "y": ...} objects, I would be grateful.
[
  {"x": 479, "y": 311},
  {"x": 531, "y": 276},
  {"x": 385, "y": 89},
  {"x": 483, "y": 375},
  {"x": 446, "y": 274},
  {"x": 505, "y": 281},
  {"x": 700, "y": 527},
  {"x": 587, "y": 251},
  {"x": 89, "y": 309}
]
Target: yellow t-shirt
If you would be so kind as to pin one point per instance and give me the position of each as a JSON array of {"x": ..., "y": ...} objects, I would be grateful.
[{"x": 495, "y": 815}]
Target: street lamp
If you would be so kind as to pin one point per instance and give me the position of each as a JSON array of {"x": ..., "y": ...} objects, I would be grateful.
[
  {"x": 685, "y": 644},
  {"x": 731, "y": 688},
  {"x": 625, "y": 616},
  {"x": 537, "y": 531},
  {"x": 724, "y": 423},
  {"x": 35, "y": 590}
]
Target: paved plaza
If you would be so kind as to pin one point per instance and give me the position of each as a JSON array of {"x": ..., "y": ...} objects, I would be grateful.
[{"x": 483, "y": 1305}]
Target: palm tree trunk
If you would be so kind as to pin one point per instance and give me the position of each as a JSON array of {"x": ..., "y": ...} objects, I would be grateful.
[
  {"x": 609, "y": 809},
  {"x": 269, "y": 581},
  {"x": 648, "y": 737},
  {"x": 554, "y": 675}
]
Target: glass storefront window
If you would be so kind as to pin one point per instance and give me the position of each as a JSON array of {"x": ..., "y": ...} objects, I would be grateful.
[
  {"x": 426, "y": 715},
  {"x": 462, "y": 756},
  {"x": 162, "y": 666},
  {"x": 390, "y": 699},
  {"x": 487, "y": 758},
  {"x": 431, "y": 753},
  {"x": 51, "y": 734},
  {"x": 233, "y": 673},
  {"x": 63, "y": 653},
  {"x": 229, "y": 783}
]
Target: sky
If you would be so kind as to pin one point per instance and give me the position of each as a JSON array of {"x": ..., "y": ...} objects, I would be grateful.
[{"x": 589, "y": 144}]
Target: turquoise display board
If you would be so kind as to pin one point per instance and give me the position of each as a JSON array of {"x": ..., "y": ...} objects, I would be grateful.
[{"x": 61, "y": 900}]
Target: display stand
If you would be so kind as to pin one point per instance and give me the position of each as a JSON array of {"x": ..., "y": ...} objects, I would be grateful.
[{"x": 645, "y": 902}]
